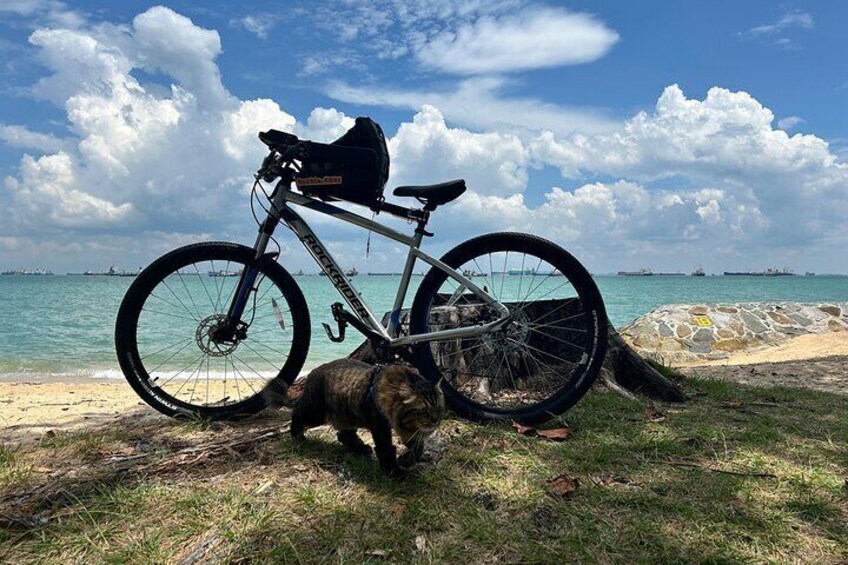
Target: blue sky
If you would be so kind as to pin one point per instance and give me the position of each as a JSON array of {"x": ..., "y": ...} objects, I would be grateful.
[{"x": 661, "y": 134}]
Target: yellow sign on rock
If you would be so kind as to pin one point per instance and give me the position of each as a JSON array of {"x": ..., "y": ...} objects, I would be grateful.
[{"x": 702, "y": 321}]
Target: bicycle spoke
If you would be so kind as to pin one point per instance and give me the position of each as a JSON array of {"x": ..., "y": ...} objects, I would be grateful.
[
  {"x": 178, "y": 373},
  {"x": 503, "y": 272},
  {"x": 180, "y": 301},
  {"x": 167, "y": 348},
  {"x": 521, "y": 279},
  {"x": 200, "y": 278},
  {"x": 275, "y": 365},
  {"x": 268, "y": 348},
  {"x": 190, "y": 297},
  {"x": 532, "y": 323},
  {"x": 154, "y": 295},
  {"x": 235, "y": 376},
  {"x": 167, "y": 314},
  {"x": 566, "y": 342},
  {"x": 202, "y": 357},
  {"x": 527, "y": 345},
  {"x": 242, "y": 375}
]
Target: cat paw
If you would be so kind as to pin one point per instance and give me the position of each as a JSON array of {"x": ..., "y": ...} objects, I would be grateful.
[
  {"x": 407, "y": 460},
  {"x": 363, "y": 450},
  {"x": 397, "y": 473}
]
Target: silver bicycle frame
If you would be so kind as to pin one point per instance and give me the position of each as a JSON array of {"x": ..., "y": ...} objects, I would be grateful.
[{"x": 280, "y": 204}]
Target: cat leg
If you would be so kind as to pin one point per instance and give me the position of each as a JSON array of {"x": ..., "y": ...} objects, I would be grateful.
[
  {"x": 353, "y": 443},
  {"x": 305, "y": 418},
  {"x": 414, "y": 451},
  {"x": 385, "y": 449}
]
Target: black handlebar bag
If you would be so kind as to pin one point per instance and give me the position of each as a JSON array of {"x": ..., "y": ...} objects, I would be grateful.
[{"x": 355, "y": 167}]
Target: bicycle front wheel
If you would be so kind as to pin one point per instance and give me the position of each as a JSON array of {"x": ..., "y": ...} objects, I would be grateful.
[
  {"x": 540, "y": 363},
  {"x": 165, "y": 334}
]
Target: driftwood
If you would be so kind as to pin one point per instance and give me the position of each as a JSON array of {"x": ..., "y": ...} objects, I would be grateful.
[{"x": 624, "y": 371}]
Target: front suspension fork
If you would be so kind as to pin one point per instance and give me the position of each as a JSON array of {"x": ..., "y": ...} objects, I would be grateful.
[{"x": 247, "y": 281}]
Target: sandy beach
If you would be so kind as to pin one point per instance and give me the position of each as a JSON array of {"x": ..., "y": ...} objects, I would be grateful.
[
  {"x": 29, "y": 408},
  {"x": 32, "y": 407}
]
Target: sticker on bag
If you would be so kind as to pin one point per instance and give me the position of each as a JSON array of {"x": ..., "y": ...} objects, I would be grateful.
[{"x": 319, "y": 181}]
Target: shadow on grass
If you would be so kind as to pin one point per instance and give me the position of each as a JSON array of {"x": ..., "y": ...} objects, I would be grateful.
[{"x": 650, "y": 490}]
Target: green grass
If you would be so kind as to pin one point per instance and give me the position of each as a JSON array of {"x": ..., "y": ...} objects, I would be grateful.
[{"x": 639, "y": 500}]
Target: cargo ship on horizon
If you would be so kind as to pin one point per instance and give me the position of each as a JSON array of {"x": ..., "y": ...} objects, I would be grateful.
[
  {"x": 647, "y": 273},
  {"x": 785, "y": 272}
]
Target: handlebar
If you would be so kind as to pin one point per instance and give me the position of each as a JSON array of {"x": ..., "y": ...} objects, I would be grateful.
[{"x": 277, "y": 161}]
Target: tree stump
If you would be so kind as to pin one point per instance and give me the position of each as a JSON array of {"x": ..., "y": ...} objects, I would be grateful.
[{"x": 624, "y": 370}]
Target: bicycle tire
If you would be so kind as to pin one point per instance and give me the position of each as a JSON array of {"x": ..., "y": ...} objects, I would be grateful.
[
  {"x": 126, "y": 328},
  {"x": 590, "y": 300}
]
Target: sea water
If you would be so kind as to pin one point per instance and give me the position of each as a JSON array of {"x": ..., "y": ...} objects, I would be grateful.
[{"x": 56, "y": 325}]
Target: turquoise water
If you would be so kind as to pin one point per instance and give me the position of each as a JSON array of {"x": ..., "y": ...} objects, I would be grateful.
[{"x": 65, "y": 324}]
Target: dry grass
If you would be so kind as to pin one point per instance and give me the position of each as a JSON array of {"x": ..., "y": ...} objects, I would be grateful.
[{"x": 650, "y": 490}]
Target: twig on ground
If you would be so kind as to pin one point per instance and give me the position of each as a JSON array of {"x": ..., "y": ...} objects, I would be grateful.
[
  {"x": 48, "y": 492},
  {"x": 722, "y": 471}
]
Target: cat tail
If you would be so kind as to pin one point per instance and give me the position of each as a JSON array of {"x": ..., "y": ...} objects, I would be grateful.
[{"x": 276, "y": 395}]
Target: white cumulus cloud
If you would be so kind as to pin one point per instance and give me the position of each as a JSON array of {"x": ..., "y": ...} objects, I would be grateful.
[
  {"x": 163, "y": 162},
  {"x": 532, "y": 38},
  {"x": 21, "y": 136}
]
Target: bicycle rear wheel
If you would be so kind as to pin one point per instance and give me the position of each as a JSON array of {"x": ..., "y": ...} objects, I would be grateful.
[
  {"x": 539, "y": 364},
  {"x": 166, "y": 341}
]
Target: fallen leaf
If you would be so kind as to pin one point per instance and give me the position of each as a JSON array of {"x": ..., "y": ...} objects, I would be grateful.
[
  {"x": 556, "y": 434},
  {"x": 263, "y": 487},
  {"x": 420, "y": 543},
  {"x": 524, "y": 430},
  {"x": 563, "y": 486},
  {"x": 379, "y": 552}
]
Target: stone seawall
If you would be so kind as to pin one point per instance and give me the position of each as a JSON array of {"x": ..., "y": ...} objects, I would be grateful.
[{"x": 692, "y": 332}]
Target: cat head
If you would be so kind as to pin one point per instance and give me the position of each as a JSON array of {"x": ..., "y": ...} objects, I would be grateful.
[{"x": 419, "y": 404}]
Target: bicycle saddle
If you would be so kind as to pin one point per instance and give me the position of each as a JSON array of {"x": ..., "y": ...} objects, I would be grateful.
[{"x": 433, "y": 194}]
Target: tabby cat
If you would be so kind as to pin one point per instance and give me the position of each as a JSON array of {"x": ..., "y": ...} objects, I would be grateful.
[{"x": 350, "y": 394}]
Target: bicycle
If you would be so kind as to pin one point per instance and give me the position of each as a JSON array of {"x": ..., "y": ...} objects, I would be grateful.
[{"x": 511, "y": 324}]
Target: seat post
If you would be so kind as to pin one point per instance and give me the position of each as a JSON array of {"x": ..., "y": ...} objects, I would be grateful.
[{"x": 422, "y": 223}]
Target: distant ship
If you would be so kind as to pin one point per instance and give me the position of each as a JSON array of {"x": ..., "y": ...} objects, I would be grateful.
[
  {"x": 809, "y": 274},
  {"x": 699, "y": 272},
  {"x": 28, "y": 272},
  {"x": 112, "y": 272},
  {"x": 223, "y": 273},
  {"x": 529, "y": 272},
  {"x": 785, "y": 272},
  {"x": 299, "y": 273},
  {"x": 469, "y": 273},
  {"x": 352, "y": 272},
  {"x": 647, "y": 273}
]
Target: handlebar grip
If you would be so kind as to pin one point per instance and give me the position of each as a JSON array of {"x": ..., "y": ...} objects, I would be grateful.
[{"x": 275, "y": 138}]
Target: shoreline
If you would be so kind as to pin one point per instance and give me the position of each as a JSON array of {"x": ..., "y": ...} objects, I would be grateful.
[{"x": 36, "y": 405}]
